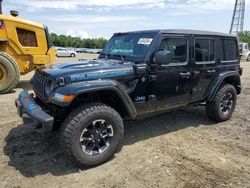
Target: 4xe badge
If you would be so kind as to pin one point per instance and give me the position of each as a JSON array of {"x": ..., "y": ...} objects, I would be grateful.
[{"x": 140, "y": 99}]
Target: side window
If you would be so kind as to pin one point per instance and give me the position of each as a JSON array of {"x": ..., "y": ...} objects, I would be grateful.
[
  {"x": 26, "y": 38},
  {"x": 230, "y": 50},
  {"x": 61, "y": 49},
  {"x": 177, "y": 48},
  {"x": 219, "y": 49},
  {"x": 204, "y": 50}
]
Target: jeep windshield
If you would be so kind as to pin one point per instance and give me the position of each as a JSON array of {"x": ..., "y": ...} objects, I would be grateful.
[{"x": 128, "y": 46}]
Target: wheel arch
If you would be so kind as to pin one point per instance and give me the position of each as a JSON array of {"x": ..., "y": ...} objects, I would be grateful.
[
  {"x": 231, "y": 77},
  {"x": 109, "y": 96},
  {"x": 109, "y": 92}
]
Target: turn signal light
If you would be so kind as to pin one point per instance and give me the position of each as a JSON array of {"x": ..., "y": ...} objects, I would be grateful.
[
  {"x": 63, "y": 98},
  {"x": 68, "y": 98}
]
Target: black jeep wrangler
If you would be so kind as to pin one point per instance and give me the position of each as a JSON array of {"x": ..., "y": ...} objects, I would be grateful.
[{"x": 137, "y": 74}]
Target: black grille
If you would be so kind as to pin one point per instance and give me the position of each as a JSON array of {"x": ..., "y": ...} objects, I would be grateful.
[{"x": 39, "y": 85}]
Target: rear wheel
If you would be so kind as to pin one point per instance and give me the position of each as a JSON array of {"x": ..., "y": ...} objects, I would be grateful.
[
  {"x": 72, "y": 55},
  {"x": 223, "y": 105},
  {"x": 92, "y": 134},
  {"x": 9, "y": 73}
]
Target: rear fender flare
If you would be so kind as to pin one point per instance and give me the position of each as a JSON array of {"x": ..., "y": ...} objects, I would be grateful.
[{"x": 218, "y": 81}]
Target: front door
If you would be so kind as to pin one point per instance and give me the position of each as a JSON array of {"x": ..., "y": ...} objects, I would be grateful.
[{"x": 172, "y": 83}]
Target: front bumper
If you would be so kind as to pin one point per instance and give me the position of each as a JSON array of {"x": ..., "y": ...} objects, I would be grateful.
[{"x": 33, "y": 114}]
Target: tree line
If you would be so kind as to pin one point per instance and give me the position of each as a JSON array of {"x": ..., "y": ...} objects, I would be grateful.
[
  {"x": 245, "y": 37},
  {"x": 76, "y": 42}
]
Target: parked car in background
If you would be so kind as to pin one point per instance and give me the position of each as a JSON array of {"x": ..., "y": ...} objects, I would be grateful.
[
  {"x": 64, "y": 52},
  {"x": 89, "y": 50},
  {"x": 81, "y": 50},
  {"x": 95, "y": 51},
  {"x": 244, "y": 51}
]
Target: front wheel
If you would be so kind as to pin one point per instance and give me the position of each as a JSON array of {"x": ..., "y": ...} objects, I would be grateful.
[
  {"x": 72, "y": 55},
  {"x": 92, "y": 134},
  {"x": 222, "y": 106}
]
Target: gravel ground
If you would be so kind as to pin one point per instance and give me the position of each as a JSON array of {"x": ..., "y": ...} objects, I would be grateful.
[{"x": 177, "y": 149}]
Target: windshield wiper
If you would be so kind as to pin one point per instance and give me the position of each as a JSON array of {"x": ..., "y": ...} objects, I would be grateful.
[
  {"x": 105, "y": 55},
  {"x": 119, "y": 55},
  {"x": 122, "y": 58},
  {"x": 109, "y": 56}
]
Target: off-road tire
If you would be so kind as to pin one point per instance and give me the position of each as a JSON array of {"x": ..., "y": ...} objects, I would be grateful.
[
  {"x": 11, "y": 73},
  {"x": 72, "y": 55},
  {"x": 213, "y": 107},
  {"x": 78, "y": 120}
]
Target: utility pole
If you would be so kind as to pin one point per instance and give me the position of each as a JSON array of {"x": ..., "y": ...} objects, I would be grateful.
[{"x": 238, "y": 17}]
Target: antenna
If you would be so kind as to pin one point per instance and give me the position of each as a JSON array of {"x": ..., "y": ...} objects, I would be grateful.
[{"x": 238, "y": 17}]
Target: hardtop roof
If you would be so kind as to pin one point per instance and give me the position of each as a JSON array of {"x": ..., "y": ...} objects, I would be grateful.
[{"x": 182, "y": 32}]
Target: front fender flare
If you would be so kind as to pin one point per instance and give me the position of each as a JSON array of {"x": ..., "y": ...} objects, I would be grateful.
[{"x": 79, "y": 88}]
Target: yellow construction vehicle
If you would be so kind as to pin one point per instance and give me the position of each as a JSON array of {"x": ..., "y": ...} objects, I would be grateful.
[{"x": 24, "y": 45}]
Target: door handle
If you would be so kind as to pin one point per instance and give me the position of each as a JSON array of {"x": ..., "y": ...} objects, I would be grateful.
[
  {"x": 211, "y": 71},
  {"x": 196, "y": 73},
  {"x": 185, "y": 74}
]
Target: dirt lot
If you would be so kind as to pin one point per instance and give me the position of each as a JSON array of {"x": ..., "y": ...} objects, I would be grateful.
[{"x": 177, "y": 149}]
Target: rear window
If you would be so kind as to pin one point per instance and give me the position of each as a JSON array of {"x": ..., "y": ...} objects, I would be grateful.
[
  {"x": 27, "y": 38},
  {"x": 204, "y": 50},
  {"x": 230, "y": 49}
]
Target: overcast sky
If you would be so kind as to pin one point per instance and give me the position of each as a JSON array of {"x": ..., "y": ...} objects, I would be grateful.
[{"x": 101, "y": 18}]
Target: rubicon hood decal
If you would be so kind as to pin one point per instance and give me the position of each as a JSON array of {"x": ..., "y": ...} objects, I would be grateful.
[
  {"x": 89, "y": 70},
  {"x": 100, "y": 75}
]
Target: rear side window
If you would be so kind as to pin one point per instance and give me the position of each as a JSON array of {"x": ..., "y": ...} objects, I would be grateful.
[
  {"x": 204, "y": 50},
  {"x": 27, "y": 38},
  {"x": 177, "y": 48},
  {"x": 230, "y": 50}
]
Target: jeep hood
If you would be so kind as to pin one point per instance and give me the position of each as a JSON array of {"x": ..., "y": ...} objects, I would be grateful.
[{"x": 88, "y": 70}]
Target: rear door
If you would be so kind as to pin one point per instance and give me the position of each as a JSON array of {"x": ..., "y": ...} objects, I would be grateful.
[
  {"x": 212, "y": 55},
  {"x": 59, "y": 52},
  {"x": 62, "y": 52},
  {"x": 204, "y": 65},
  {"x": 65, "y": 52}
]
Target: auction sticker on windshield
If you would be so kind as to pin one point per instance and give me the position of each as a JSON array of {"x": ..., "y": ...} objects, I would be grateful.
[{"x": 145, "y": 41}]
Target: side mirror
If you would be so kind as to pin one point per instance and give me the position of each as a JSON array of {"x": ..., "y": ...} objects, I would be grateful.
[{"x": 162, "y": 57}]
